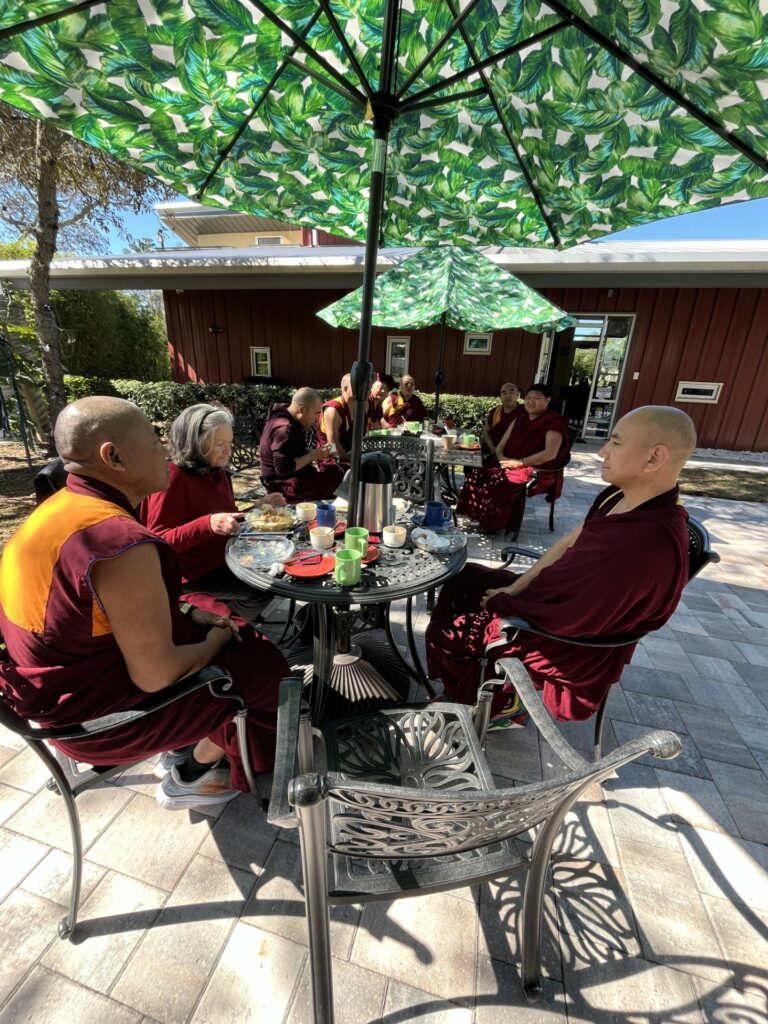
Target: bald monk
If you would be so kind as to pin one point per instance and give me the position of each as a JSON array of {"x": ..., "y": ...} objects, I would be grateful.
[
  {"x": 90, "y": 615},
  {"x": 501, "y": 417},
  {"x": 538, "y": 439},
  {"x": 334, "y": 424},
  {"x": 404, "y": 405},
  {"x": 287, "y": 466},
  {"x": 619, "y": 573}
]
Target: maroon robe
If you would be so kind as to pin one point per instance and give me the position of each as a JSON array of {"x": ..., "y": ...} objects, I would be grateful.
[
  {"x": 374, "y": 415},
  {"x": 495, "y": 497},
  {"x": 64, "y": 665},
  {"x": 498, "y": 421},
  {"x": 345, "y": 432},
  {"x": 405, "y": 410},
  {"x": 282, "y": 443},
  {"x": 623, "y": 577}
]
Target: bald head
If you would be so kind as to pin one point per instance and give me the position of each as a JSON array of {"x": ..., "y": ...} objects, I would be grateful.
[
  {"x": 665, "y": 425},
  {"x": 305, "y": 405},
  {"x": 306, "y": 396},
  {"x": 84, "y": 426}
]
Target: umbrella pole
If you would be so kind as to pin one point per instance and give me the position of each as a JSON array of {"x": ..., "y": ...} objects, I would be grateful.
[{"x": 439, "y": 370}]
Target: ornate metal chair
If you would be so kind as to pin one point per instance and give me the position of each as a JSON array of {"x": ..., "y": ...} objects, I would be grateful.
[
  {"x": 548, "y": 482},
  {"x": 700, "y": 554},
  {"x": 407, "y": 805},
  {"x": 69, "y": 778},
  {"x": 245, "y": 446},
  {"x": 414, "y": 459}
]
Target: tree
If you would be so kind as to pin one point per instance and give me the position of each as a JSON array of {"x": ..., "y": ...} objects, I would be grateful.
[{"x": 42, "y": 172}]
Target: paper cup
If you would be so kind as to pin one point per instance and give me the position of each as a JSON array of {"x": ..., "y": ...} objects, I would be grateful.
[{"x": 449, "y": 440}]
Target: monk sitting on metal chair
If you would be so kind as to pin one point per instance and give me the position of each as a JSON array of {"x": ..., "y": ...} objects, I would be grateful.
[
  {"x": 90, "y": 615},
  {"x": 619, "y": 573}
]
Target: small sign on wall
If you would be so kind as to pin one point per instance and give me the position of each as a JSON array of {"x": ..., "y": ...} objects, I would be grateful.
[{"x": 698, "y": 391}]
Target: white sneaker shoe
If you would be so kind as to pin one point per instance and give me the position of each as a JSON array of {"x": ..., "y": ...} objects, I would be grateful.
[
  {"x": 208, "y": 791},
  {"x": 169, "y": 759}
]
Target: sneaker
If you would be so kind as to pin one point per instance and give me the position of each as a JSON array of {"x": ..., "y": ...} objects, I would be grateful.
[
  {"x": 170, "y": 759},
  {"x": 208, "y": 791},
  {"x": 513, "y": 715}
]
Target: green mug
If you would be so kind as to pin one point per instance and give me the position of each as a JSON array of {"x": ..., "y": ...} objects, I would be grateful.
[
  {"x": 413, "y": 428},
  {"x": 356, "y": 539},
  {"x": 347, "y": 570}
]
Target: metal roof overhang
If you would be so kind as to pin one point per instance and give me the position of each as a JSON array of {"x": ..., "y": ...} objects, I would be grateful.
[{"x": 594, "y": 265}]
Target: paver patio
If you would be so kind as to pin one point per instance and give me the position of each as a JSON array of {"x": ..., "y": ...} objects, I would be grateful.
[{"x": 659, "y": 905}]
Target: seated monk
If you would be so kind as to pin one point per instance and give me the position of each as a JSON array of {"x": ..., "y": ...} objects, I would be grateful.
[
  {"x": 494, "y": 496},
  {"x": 334, "y": 424},
  {"x": 287, "y": 467},
  {"x": 620, "y": 573},
  {"x": 89, "y": 609},
  {"x": 403, "y": 406},
  {"x": 196, "y": 513},
  {"x": 380, "y": 389},
  {"x": 500, "y": 418}
]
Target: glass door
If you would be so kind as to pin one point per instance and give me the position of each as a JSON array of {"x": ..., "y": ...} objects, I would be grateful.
[{"x": 609, "y": 368}]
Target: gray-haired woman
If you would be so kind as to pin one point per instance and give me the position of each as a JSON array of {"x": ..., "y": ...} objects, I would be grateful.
[{"x": 197, "y": 513}]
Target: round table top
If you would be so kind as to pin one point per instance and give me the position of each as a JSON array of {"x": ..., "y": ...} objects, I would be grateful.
[{"x": 398, "y": 573}]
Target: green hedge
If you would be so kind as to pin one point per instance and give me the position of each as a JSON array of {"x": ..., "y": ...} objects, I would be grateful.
[{"x": 162, "y": 401}]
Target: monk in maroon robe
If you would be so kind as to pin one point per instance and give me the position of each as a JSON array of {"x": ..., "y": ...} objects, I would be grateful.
[
  {"x": 494, "y": 496},
  {"x": 334, "y": 423},
  {"x": 404, "y": 406},
  {"x": 287, "y": 466},
  {"x": 380, "y": 389},
  {"x": 90, "y": 615},
  {"x": 620, "y": 573},
  {"x": 500, "y": 418}
]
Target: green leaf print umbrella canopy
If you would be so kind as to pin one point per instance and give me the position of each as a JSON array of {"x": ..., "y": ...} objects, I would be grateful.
[
  {"x": 411, "y": 121},
  {"x": 460, "y": 285}
]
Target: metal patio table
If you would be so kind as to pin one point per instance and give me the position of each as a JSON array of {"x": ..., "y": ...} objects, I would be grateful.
[
  {"x": 447, "y": 460},
  {"x": 340, "y": 613}
]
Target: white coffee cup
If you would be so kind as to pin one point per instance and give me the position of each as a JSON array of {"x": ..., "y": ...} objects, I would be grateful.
[
  {"x": 394, "y": 536},
  {"x": 306, "y": 511},
  {"x": 321, "y": 537}
]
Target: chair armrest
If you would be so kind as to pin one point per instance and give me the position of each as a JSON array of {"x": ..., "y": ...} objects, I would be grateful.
[
  {"x": 510, "y": 626},
  {"x": 209, "y": 676},
  {"x": 281, "y": 813},
  {"x": 509, "y": 551},
  {"x": 517, "y": 675}
]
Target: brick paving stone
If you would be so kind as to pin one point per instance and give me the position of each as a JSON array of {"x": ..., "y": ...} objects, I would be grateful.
[
  {"x": 52, "y": 878},
  {"x": 20, "y": 947},
  {"x": 694, "y": 801},
  {"x": 654, "y": 712},
  {"x": 745, "y": 792},
  {"x": 11, "y": 800},
  {"x": 743, "y": 935},
  {"x": 756, "y": 654},
  {"x": 592, "y": 907},
  {"x": 500, "y": 998},
  {"x": 18, "y": 855},
  {"x": 715, "y": 737},
  {"x": 499, "y": 923},
  {"x": 689, "y": 761},
  {"x": 47, "y": 998},
  {"x": 44, "y": 816},
  {"x": 358, "y": 995},
  {"x": 721, "y": 1005},
  {"x": 406, "y": 1003},
  {"x": 637, "y": 679},
  {"x": 727, "y": 867}
]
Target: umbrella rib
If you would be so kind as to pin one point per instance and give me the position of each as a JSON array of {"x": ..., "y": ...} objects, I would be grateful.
[
  {"x": 344, "y": 43},
  {"x": 46, "y": 19},
  {"x": 236, "y": 137},
  {"x": 326, "y": 82},
  {"x": 655, "y": 80},
  {"x": 487, "y": 62},
  {"x": 435, "y": 49},
  {"x": 302, "y": 44},
  {"x": 505, "y": 128},
  {"x": 440, "y": 100}
]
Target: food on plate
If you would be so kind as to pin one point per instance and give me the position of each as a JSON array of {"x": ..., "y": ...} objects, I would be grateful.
[{"x": 271, "y": 520}]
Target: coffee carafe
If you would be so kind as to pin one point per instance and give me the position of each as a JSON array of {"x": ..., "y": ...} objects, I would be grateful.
[{"x": 376, "y": 474}]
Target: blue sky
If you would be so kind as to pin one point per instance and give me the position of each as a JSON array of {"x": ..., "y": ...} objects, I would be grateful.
[{"x": 736, "y": 221}]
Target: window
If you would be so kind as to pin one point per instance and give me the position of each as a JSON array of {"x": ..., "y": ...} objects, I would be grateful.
[
  {"x": 698, "y": 391},
  {"x": 269, "y": 240},
  {"x": 477, "y": 344},
  {"x": 398, "y": 355},
  {"x": 261, "y": 362}
]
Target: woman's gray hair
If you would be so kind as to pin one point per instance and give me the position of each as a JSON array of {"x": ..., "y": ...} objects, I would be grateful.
[{"x": 188, "y": 437}]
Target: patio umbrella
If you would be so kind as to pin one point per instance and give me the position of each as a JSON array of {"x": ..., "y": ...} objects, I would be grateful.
[
  {"x": 454, "y": 287},
  {"x": 411, "y": 121}
]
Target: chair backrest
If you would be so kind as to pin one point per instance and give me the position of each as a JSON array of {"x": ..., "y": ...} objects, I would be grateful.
[
  {"x": 51, "y": 478},
  {"x": 699, "y": 551},
  {"x": 414, "y": 459}
]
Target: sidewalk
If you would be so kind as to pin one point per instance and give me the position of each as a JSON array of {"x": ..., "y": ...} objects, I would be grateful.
[{"x": 659, "y": 910}]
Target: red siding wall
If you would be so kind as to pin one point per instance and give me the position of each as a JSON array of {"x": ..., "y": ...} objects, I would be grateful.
[{"x": 705, "y": 334}]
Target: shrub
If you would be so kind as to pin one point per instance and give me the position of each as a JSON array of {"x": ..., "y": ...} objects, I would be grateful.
[{"x": 162, "y": 401}]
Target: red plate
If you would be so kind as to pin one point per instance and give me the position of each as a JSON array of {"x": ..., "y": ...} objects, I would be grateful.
[
  {"x": 466, "y": 448},
  {"x": 339, "y": 528},
  {"x": 372, "y": 554},
  {"x": 310, "y": 563}
]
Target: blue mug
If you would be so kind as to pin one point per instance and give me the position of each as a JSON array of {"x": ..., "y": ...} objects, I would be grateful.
[
  {"x": 326, "y": 514},
  {"x": 436, "y": 514}
]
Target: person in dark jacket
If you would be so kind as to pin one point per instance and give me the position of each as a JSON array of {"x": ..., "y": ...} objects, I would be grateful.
[{"x": 288, "y": 467}]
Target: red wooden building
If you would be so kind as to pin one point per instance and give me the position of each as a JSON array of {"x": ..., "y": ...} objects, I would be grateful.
[{"x": 682, "y": 323}]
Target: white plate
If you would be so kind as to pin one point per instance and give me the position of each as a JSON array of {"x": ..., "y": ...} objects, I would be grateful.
[{"x": 260, "y": 552}]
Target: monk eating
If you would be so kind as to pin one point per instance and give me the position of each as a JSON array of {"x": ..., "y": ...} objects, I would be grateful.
[
  {"x": 90, "y": 614},
  {"x": 538, "y": 439},
  {"x": 288, "y": 467},
  {"x": 619, "y": 573},
  {"x": 334, "y": 423}
]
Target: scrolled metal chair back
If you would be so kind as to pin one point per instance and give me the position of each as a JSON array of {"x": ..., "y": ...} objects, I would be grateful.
[{"x": 413, "y": 458}]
